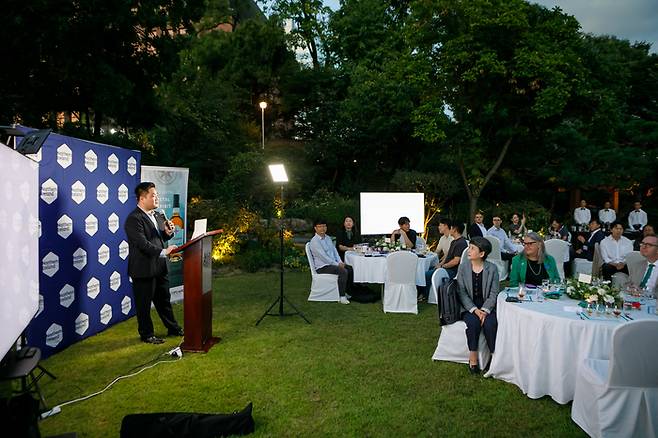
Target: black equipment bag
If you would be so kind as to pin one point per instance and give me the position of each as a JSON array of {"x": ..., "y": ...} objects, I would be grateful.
[
  {"x": 449, "y": 305},
  {"x": 187, "y": 425},
  {"x": 363, "y": 294},
  {"x": 19, "y": 416}
]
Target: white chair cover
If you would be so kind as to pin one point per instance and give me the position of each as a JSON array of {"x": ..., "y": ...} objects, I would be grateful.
[
  {"x": 634, "y": 261},
  {"x": 496, "y": 258},
  {"x": 559, "y": 250},
  {"x": 453, "y": 347},
  {"x": 420, "y": 244},
  {"x": 324, "y": 287},
  {"x": 438, "y": 277},
  {"x": 400, "y": 294},
  {"x": 619, "y": 397}
]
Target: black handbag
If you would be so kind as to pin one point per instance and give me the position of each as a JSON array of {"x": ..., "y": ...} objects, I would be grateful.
[{"x": 449, "y": 305}]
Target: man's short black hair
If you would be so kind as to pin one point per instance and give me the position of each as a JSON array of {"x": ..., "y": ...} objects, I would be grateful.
[
  {"x": 615, "y": 223},
  {"x": 458, "y": 226},
  {"x": 445, "y": 221},
  {"x": 595, "y": 220},
  {"x": 319, "y": 221},
  {"x": 143, "y": 188},
  {"x": 403, "y": 220}
]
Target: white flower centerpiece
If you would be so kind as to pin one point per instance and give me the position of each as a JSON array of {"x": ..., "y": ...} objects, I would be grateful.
[{"x": 603, "y": 293}]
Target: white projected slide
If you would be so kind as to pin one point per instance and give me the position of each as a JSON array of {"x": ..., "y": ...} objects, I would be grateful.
[
  {"x": 380, "y": 211},
  {"x": 19, "y": 245}
]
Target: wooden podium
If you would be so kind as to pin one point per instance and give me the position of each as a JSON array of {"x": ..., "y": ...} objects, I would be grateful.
[{"x": 197, "y": 300}]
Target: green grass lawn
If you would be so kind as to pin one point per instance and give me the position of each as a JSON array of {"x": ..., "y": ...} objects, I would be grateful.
[{"x": 353, "y": 372}]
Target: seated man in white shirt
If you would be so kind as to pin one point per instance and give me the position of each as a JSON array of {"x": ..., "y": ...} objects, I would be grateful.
[
  {"x": 507, "y": 248},
  {"x": 607, "y": 214},
  {"x": 614, "y": 250},
  {"x": 582, "y": 215},
  {"x": 637, "y": 218},
  {"x": 645, "y": 274},
  {"x": 327, "y": 261}
]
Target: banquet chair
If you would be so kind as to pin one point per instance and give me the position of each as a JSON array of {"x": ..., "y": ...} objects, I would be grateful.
[
  {"x": 324, "y": 287},
  {"x": 400, "y": 294},
  {"x": 597, "y": 261},
  {"x": 453, "y": 346},
  {"x": 619, "y": 397},
  {"x": 634, "y": 262},
  {"x": 439, "y": 277},
  {"x": 496, "y": 258},
  {"x": 559, "y": 250}
]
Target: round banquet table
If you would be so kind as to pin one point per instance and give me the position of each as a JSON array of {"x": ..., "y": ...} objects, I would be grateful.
[
  {"x": 540, "y": 345},
  {"x": 372, "y": 269}
]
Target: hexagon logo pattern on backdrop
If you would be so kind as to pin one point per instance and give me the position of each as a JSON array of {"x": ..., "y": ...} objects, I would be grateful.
[
  {"x": 66, "y": 295},
  {"x": 131, "y": 166},
  {"x": 78, "y": 192},
  {"x": 106, "y": 314},
  {"x": 9, "y": 190},
  {"x": 64, "y": 156},
  {"x": 49, "y": 191},
  {"x": 103, "y": 254},
  {"x": 122, "y": 193},
  {"x": 64, "y": 226},
  {"x": 81, "y": 323},
  {"x": 54, "y": 335},
  {"x": 50, "y": 264},
  {"x": 93, "y": 288},
  {"x": 102, "y": 193},
  {"x": 115, "y": 281},
  {"x": 113, "y": 164},
  {"x": 123, "y": 249},
  {"x": 126, "y": 305},
  {"x": 91, "y": 225},
  {"x": 91, "y": 160},
  {"x": 79, "y": 259},
  {"x": 113, "y": 223}
]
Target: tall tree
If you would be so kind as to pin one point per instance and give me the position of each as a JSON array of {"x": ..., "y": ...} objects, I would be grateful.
[{"x": 502, "y": 70}]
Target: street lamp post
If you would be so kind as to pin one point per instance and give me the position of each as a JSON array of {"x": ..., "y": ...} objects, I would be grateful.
[{"x": 262, "y": 105}]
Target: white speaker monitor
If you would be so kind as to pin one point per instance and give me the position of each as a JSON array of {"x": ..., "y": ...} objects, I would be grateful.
[{"x": 380, "y": 211}]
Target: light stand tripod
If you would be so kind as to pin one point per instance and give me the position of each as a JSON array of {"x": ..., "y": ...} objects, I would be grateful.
[{"x": 281, "y": 296}]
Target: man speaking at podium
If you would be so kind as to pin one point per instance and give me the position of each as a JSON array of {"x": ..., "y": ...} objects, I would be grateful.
[{"x": 147, "y": 231}]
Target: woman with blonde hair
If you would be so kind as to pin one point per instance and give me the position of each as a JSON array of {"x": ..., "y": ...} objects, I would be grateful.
[{"x": 533, "y": 265}]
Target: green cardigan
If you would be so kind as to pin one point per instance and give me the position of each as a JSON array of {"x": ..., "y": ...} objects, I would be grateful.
[{"x": 520, "y": 265}]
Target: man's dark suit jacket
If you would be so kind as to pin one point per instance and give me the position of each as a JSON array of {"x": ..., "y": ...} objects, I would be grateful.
[
  {"x": 145, "y": 244},
  {"x": 474, "y": 230},
  {"x": 588, "y": 247}
]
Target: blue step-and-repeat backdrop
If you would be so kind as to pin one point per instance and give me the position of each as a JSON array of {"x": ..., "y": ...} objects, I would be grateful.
[{"x": 86, "y": 193}]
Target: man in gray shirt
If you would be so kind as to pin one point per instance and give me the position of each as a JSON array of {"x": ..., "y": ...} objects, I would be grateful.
[{"x": 326, "y": 260}]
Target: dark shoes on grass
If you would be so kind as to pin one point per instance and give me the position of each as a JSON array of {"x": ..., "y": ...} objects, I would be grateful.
[{"x": 153, "y": 340}]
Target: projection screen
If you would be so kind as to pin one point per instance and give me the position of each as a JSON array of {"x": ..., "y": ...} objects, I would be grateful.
[
  {"x": 19, "y": 245},
  {"x": 380, "y": 211}
]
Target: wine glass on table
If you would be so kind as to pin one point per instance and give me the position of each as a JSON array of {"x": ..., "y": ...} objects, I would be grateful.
[
  {"x": 521, "y": 291},
  {"x": 616, "y": 311}
]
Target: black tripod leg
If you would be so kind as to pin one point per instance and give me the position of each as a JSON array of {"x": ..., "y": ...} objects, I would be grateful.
[
  {"x": 296, "y": 309},
  {"x": 48, "y": 373},
  {"x": 267, "y": 312}
]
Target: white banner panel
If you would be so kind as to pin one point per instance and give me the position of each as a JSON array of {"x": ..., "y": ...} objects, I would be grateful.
[
  {"x": 19, "y": 246},
  {"x": 380, "y": 211}
]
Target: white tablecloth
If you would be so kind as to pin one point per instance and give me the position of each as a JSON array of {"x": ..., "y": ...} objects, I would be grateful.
[
  {"x": 540, "y": 345},
  {"x": 373, "y": 269}
]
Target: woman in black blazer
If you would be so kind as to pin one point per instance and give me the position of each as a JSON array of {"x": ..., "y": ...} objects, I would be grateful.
[
  {"x": 478, "y": 291},
  {"x": 347, "y": 236}
]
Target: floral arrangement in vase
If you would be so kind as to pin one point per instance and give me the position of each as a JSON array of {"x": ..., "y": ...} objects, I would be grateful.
[{"x": 601, "y": 293}]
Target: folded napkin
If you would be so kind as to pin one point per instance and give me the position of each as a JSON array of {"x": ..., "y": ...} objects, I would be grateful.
[{"x": 554, "y": 295}]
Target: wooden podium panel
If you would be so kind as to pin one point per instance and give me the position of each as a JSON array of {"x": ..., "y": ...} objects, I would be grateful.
[{"x": 197, "y": 299}]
